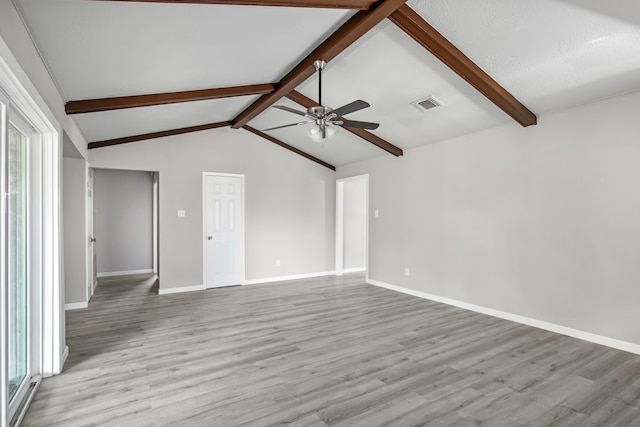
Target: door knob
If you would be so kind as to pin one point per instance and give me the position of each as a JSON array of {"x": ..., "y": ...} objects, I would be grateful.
[{"x": 209, "y": 237}]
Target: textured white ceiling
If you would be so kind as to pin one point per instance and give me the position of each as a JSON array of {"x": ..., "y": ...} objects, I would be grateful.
[
  {"x": 104, "y": 49},
  {"x": 404, "y": 72},
  {"x": 550, "y": 54}
]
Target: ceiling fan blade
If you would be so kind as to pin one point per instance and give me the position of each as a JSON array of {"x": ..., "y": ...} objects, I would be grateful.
[
  {"x": 289, "y": 125},
  {"x": 350, "y": 108},
  {"x": 291, "y": 110},
  {"x": 358, "y": 124}
]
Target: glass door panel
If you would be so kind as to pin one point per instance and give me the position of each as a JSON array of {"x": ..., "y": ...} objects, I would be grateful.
[{"x": 17, "y": 297}]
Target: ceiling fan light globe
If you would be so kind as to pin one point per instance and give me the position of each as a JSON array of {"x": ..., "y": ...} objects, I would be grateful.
[{"x": 314, "y": 134}]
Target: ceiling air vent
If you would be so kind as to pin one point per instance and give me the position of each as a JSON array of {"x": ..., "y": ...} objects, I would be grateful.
[{"x": 427, "y": 104}]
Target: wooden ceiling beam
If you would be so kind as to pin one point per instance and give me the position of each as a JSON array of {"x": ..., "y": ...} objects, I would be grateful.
[
  {"x": 134, "y": 138},
  {"x": 288, "y": 147},
  {"x": 347, "y": 34},
  {"x": 107, "y": 104},
  {"x": 428, "y": 37},
  {"x": 318, "y": 4},
  {"x": 306, "y": 102}
]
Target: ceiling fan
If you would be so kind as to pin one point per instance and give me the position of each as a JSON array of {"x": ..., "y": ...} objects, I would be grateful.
[{"x": 325, "y": 118}]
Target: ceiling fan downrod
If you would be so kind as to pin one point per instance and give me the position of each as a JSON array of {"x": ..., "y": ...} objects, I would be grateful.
[{"x": 319, "y": 64}]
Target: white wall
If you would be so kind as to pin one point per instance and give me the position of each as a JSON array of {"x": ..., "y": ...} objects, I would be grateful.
[
  {"x": 355, "y": 223},
  {"x": 75, "y": 238},
  {"x": 541, "y": 222},
  {"x": 123, "y": 213},
  {"x": 289, "y": 202}
]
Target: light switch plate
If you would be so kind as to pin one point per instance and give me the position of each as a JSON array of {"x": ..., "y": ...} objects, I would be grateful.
[{"x": 182, "y": 213}]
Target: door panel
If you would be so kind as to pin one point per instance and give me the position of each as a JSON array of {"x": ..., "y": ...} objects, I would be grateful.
[
  {"x": 17, "y": 258},
  {"x": 91, "y": 253},
  {"x": 224, "y": 231},
  {"x": 21, "y": 292}
]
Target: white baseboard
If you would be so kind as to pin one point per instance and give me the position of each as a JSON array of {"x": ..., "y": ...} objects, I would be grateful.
[
  {"x": 575, "y": 333},
  {"x": 292, "y": 277},
  {"x": 354, "y": 270},
  {"x": 63, "y": 358},
  {"x": 76, "y": 305},
  {"x": 166, "y": 291},
  {"x": 124, "y": 273}
]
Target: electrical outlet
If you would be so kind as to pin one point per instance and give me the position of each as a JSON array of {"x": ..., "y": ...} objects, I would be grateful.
[
  {"x": 277, "y": 263},
  {"x": 182, "y": 213},
  {"x": 406, "y": 271}
]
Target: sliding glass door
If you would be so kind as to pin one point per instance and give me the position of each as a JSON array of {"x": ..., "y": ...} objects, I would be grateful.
[
  {"x": 31, "y": 298},
  {"x": 17, "y": 250},
  {"x": 21, "y": 284}
]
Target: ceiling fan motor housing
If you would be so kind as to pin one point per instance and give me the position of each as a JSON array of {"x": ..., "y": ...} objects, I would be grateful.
[{"x": 320, "y": 111}]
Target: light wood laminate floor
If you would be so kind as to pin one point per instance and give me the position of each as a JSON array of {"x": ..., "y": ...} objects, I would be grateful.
[{"x": 322, "y": 352}]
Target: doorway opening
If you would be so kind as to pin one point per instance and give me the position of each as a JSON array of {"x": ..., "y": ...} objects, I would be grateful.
[
  {"x": 352, "y": 224},
  {"x": 125, "y": 222}
]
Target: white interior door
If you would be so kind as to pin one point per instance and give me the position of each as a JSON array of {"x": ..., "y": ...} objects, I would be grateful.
[
  {"x": 91, "y": 253},
  {"x": 223, "y": 230},
  {"x": 154, "y": 220}
]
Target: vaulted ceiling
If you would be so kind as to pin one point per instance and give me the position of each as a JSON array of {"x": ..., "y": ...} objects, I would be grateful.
[{"x": 132, "y": 70}]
